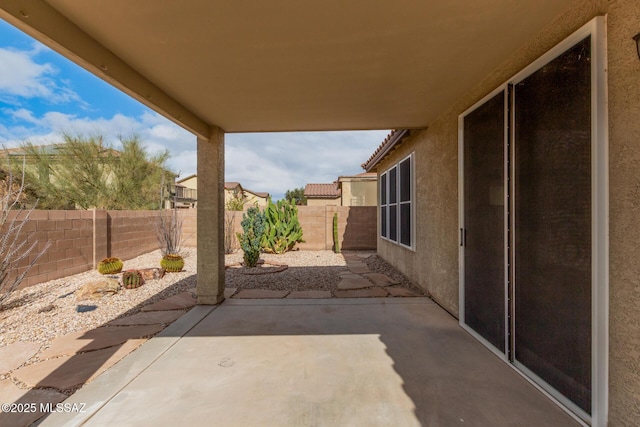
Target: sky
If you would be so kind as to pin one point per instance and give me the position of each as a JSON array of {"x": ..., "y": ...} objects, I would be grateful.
[{"x": 42, "y": 95}]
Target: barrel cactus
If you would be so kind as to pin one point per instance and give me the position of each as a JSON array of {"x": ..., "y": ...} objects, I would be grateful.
[
  {"x": 172, "y": 263},
  {"x": 132, "y": 279},
  {"x": 110, "y": 265}
]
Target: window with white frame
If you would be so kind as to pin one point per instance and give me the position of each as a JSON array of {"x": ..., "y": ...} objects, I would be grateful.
[{"x": 397, "y": 203}]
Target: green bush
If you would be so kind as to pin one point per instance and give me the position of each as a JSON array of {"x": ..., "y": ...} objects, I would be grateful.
[
  {"x": 253, "y": 227},
  {"x": 282, "y": 230}
]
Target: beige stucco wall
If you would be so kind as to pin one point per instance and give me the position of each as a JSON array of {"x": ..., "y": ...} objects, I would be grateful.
[
  {"x": 254, "y": 200},
  {"x": 323, "y": 202},
  {"x": 359, "y": 192},
  {"x": 191, "y": 182},
  {"x": 434, "y": 264}
]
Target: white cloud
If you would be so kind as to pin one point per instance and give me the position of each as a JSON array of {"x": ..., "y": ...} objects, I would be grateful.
[
  {"x": 271, "y": 162},
  {"x": 22, "y": 77}
]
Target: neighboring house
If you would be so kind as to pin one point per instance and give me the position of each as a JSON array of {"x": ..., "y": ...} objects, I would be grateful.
[
  {"x": 187, "y": 191},
  {"x": 357, "y": 190},
  {"x": 234, "y": 190},
  {"x": 322, "y": 194}
]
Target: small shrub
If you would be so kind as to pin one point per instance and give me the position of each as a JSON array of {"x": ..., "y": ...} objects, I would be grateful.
[
  {"x": 172, "y": 263},
  {"x": 132, "y": 279},
  {"x": 14, "y": 247},
  {"x": 282, "y": 229},
  {"x": 229, "y": 236},
  {"x": 236, "y": 203},
  {"x": 253, "y": 226},
  {"x": 110, "y": 266}
]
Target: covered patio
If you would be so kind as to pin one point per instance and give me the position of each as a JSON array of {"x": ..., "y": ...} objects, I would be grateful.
[
  {"x": 219, "y": 67},
  {"x": 366, "y": 362}
]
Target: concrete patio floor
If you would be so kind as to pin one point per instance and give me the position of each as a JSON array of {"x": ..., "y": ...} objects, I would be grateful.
[{"x": 333, "y": 362}]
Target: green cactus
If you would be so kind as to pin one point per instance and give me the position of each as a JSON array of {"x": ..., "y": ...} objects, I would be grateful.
[
  {"x": 132, "y": 279},
  {"x": 282, "y": 229},
  {"x": 336, "y": 239},
  {"x": 110, "y": 266},
  {"x": 172, "y": 263},
  {"x": 253, "y": 227}
]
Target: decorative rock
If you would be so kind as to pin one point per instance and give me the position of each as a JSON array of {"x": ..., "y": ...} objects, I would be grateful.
[
  {"x": 14, "y": 355},
  {"x": 264, "y": 269},
  {"x": 98, "y": 289},
  {"x": 64, "y": 373},
  {"x": 95, "y": 339},
  {"x": 152, "y": 273}
]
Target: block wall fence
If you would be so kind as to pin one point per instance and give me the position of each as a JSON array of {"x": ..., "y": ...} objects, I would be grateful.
[{"x": 80, "y": 239}]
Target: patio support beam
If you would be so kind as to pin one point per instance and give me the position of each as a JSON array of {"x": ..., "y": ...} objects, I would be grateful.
[
  {"x": 210, "y": 218},
  {"x": 46, "y": 24}
]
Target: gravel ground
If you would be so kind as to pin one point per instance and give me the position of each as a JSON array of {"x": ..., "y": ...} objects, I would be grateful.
[{"x": 42, "y": 312}]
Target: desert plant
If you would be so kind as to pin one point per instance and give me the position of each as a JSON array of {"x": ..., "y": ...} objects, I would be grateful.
[
  {"x": 229, "y": 236},
  {"x": 132, "y": 279},
  {"x": 236, "y": 203},
  {"x": 336, "y": 238},
  {"x": 110, "y": 265},
  {"x": 172, "y": 263},
  {"x": 282, "y": 229},
  {"x": 169, "y": 231},
  {"x": 14, "y": 248},
  {"x": 253, "y": 227}
]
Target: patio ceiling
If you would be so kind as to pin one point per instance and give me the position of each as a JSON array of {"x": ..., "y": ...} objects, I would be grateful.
[{"x": 287, "y": 65}]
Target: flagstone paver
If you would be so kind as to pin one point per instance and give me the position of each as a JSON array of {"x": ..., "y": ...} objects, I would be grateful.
[
  {"x": 10, "y": 393},
  {"x": 180, "y": 301},
  {"x": 14, "y": 355},
  {"x": 380, "y": 279},
  {"x": 362, "y": 293},
  {"x": 401, "y": 292},
  {"x": 228, "y": 292},
  {"x": 349, "y": 275},
  {"x": 309, "y": 294},
  {"x": 261, "y": 293},
  {"x": 359, "y": 270},
  {"x": 67, "y": 372},
  {"x": 359, "y": 283},
  {"x": 148, "y": 318},
  {"x": 103, "y": 337}
]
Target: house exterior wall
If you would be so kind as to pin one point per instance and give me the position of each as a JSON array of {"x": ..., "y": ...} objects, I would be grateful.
[
  {"x": 255, "y": 200},
  {"x": 359, "y": 192},
  {"x": 433, "y": 265},
  {"x": 191, "y": 182},
  {"x": 323, "y": 202}
]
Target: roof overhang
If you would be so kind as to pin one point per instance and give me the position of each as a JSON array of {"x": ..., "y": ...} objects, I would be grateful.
[{"x": 286, "y": 65}]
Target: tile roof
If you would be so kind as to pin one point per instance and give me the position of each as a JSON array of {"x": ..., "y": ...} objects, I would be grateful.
[
  {"x": 322, "y": 190},
  {"x": 394, "y": 138},
  {"x": 230, "y": 185},
  {"x": 257, "y": 193}
]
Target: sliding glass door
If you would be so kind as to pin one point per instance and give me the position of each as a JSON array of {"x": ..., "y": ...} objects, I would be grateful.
[{"x": 533, "y": 223}]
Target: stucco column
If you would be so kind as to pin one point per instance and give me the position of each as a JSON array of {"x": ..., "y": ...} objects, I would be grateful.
[{"x": 210, "y": 218}]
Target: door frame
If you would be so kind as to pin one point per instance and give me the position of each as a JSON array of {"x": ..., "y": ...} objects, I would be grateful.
[{"x": 596, "y": 28}]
